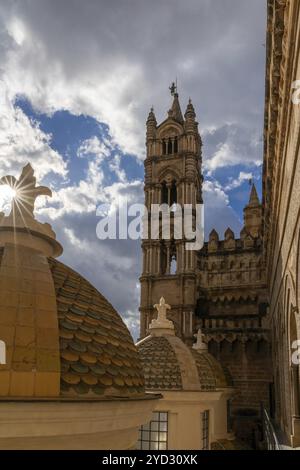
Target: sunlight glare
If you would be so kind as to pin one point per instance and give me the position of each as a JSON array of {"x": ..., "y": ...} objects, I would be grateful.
[{"x": 7, "y": 194}]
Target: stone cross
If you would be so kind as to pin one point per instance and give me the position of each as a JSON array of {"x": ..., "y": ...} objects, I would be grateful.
[
  {"x": 162, "y": 308},
  {"x": 26, "y": 192}
]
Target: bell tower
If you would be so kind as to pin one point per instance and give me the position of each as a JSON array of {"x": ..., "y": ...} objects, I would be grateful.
[{"x": 173, "y": 179}]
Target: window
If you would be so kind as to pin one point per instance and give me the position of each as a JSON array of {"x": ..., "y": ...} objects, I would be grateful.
[
  {"x": 173, "y": 198},
  {"x": 154, "y": 436},
  {"x": 175, "y": 145},
  {"x": 164, "y": 147},
  {"x": 173, "y": 265},
  {"x": 205, "y": 430},
  {"x": 164, "y": 193}
]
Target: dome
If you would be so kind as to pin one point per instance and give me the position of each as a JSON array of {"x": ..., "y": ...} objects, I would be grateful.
[
  {"x": 169, "y": 364},
  {"x": 97, "y": 353}
]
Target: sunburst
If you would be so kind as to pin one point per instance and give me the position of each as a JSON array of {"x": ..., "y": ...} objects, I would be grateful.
[
  {"x": 22, "y": 193},
  {"x": 7, "y": 195}
]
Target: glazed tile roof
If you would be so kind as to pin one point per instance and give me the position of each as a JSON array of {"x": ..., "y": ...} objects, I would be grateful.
[
  {"x": 165, "y": 370},
  {"x": 206, "y": 364},
  {"x": 161, "y": 368},
  {"x": 98, "y": 356}
]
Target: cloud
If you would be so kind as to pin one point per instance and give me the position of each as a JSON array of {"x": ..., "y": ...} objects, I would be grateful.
[
  {"x": 22, "y": 141},
  {"x": 113, "y": 63},
  {"x": 95, "y": 147},
  {"x": 231, "y": 145},
  {"x": 237, "y": 182},
  {"x": 219, "y": 215}
]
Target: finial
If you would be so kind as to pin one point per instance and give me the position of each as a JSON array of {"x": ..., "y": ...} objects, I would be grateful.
[
  {"x": 162, "y": 308},
  {"x": 200, "y": 345},
  {"x": 26, "y": 191},
  {"x": 20, "y": 227},
  {"x": 161, "y": 325}
]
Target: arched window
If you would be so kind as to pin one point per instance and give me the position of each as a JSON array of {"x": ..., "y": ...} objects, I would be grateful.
[
  {"x": 173, "y": 260},
  {"x": 175, "y": 145},
  {"x": 164, "y": 193},
  {"x": 163, "y": 260},
  {"x": 170, "y": 150},
  {"x": 173, "y": 265},
  {"x": 173, "y": 198}
]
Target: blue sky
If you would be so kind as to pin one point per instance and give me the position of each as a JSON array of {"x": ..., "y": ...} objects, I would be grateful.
[{"x": 76, "y": 88}]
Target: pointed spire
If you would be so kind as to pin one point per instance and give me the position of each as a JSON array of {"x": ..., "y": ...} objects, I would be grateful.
[
  {"x": 254, "y": 200},
  {"x": 151, "y": 117},
  {"x": 253, "y": 214},
  {"x": 175, "y": 111},
  {"x": 213, "y": 235},
  {"x": 151, "y": 124},
  {"x": 190, "y": 111},
  {"x": 229, "y": 234}
]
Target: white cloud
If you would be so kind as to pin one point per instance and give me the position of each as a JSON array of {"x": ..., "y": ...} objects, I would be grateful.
[
  {"x": 236, "y": 182},
  {"x": 219, "y": 215},
  {"x": 22, "y": 141},
  {"x": 95, "y": 147},
  {"x": 94, "y": 59}
]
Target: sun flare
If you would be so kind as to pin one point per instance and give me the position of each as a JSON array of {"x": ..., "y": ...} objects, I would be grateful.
[{"x": 7, "y": 194}]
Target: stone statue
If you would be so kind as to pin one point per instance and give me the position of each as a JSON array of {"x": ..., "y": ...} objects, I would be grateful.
[{"x": 26, "y": 192}]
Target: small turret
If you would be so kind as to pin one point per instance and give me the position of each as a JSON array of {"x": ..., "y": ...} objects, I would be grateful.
[
  {"x": 151, "y": 124},
  {"x": 213, "y": 243},
  {"x": 253, "y": 214},
  {"x": 190, "y": 117},
  {"x": 229, "y": 240}
]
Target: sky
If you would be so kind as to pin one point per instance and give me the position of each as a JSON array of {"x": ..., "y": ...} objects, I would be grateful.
[{"x": 77, "y": 80}]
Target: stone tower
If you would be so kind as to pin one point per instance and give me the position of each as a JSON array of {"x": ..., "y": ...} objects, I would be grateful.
[{"x": 172, "y": 176}]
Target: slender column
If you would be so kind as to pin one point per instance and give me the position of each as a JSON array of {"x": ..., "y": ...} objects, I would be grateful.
[{"x": 168, "y": 260}]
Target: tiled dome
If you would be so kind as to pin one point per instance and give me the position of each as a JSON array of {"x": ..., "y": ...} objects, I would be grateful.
[
  {"x": 169, "y": 364},
  {"x": 98, "y": 356}
]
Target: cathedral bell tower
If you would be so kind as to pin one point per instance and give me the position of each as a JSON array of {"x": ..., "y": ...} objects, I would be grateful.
[{"x": 173, "y": 178}]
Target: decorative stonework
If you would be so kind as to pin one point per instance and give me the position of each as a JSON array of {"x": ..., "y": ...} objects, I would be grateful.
[
  {"x": 161, "y": 325},
  {"x": 200, "y": 345}
]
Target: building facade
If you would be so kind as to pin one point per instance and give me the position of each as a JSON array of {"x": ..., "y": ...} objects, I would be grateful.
[{"x": 281, "y": 183}]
